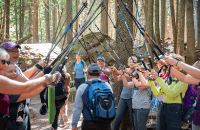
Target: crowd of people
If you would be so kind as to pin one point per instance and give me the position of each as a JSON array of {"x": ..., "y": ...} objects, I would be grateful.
[{"x": 177, "y": 86}]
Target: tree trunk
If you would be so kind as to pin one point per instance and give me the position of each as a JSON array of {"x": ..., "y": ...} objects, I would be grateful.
[
  {"x": 35, "y": 22},
  {"x": 47, "y": 24},
  {"x": 16, "y": 20},
  {"x": 54, "y": 12},
  {"x": 150, "y": 23},
  {"x": 198, "y": 25},
  {"x": 7, "y": 5},
  {"x": 163, "y": 11},
  {"x": 157, "y": 26},
  {"x": 4, "y": 23},
  {"x": 77, "y": 9},
  {"x": 126, "y": 123},
  {"x": 145, "y": 6},
  {"x": 191, "y": 55},
  {"x": 20, "y": 41},
  {"x": 30, "y": 19},
  {"x": 174, "y": 28},
  {"x": 104, "y": 19},
  {"x": 180, "y": 29},
  {"x": 22, "y": 19},
  {"x": 69, "y": 33}
]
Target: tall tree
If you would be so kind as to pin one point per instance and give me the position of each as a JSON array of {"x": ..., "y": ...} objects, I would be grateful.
[
  {"x": 7, "y": 5},
  {"x": 198, "y": 20},
  {"x": 180, "y": 27},
  {"x": 16, "y": 20},
  {"x": 150, "y": 22},
  {"x": 35, "y": 22},
  {"x": 54, "y": 12},
  {"x": 163, "y": 11},
  {"x": 77, "y": 9},
  {"x": 22, "y": 19},
  {"x": 47, "y": 24},
  {"x": 30, "y": 19},
  {"x": 173, "y": 24},
  {"x": 191, "y": 55},
  {"x": 4, "y": 23},
  {"x": 104, "y": 19},
  {"x": 157, "y": 28},
  {"x": 126, "y": 123},
  {"x": 69, "y": 34}
]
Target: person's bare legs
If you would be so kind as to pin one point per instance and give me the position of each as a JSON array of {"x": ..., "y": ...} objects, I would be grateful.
[{"x": 66, "y": 110}]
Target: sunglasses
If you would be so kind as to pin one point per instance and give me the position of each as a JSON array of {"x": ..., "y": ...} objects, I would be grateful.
[{"x": 4, "y": 62}]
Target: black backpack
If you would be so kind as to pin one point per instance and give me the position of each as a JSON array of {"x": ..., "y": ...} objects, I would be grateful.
[{"x": 60, "y": 90}]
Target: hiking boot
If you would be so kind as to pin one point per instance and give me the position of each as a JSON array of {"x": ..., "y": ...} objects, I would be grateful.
[{"x": 62, "y": 121}]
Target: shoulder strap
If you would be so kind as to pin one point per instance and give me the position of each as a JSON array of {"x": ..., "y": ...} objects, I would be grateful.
[
  {"x": 74, "y": 64},
  {"x": 82, "y": 63}
]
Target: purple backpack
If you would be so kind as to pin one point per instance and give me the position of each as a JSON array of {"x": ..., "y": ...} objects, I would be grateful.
[
  {"x": 188, "y": 104},
  {"x": 196, "y": 111}
]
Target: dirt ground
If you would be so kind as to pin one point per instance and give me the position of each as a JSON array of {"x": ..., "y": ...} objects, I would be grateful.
[{"x": 40, "y": 122}]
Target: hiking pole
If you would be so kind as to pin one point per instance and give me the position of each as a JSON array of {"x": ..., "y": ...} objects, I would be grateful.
[
  {"x": 63, "y": 24},
  {"x": 84, "y": 49},
  {"x": 47, "y": 59},
  {"x": 51, "y": 100},
  {"x": 98, "y": 53},
  {"x": 68, "y": 27},
  {"x": 110, "y": 46},
  {"x": 143, "y": 29},
  {"x": 119, "y": 35},
  {"x": 132, "y": 37},
  {"x": 139, "y": 27},
  {"x": 145, "y": 40},
  {"x": 105, "y": 48},
  {"x": 82, "y": 31}
]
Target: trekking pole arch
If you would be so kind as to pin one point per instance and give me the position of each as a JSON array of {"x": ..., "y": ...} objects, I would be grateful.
[{"x": 132, "y": 37}]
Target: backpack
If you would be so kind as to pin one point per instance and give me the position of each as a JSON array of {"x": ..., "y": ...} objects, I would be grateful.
[
  {"x": 60, "y": 90},
  {"x": 188, "y": 104},
  {"x": 99, "y": 102}
]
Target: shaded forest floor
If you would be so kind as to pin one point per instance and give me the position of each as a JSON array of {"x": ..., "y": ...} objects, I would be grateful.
[{"x": 40, "y": 122}]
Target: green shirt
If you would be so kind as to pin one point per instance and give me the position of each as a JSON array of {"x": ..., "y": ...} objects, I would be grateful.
[{"x": 171, "y": 93}]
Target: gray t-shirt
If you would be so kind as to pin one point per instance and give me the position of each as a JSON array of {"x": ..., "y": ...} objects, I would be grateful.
[
  {"x": 142, "y": 98},
  {"x": 127, "y": 93}
]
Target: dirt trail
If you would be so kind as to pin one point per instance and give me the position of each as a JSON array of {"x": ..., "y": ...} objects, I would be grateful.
[{"x": 40, "y": 122}]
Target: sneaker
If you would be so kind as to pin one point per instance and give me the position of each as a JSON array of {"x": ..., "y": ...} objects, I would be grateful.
[
  {"x": 66, "y": 118},
  {"x": 19, "y": 119},
  {"x": 62, "y": 121}
]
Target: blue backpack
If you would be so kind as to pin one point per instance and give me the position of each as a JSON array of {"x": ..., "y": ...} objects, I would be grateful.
[{"x": 99, "y": 102}]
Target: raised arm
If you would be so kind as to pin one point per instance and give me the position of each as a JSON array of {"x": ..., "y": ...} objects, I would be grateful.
[
  {"x": 12, "y": 87},
  {"x": 115, "y": 77},
  {"x": 127, "y": 84},
  {"x": 187, "y": 68}
]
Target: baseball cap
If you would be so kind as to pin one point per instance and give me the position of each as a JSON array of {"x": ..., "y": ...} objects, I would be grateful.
[
  {"x": 100, "y": 58},
  {"x": 78, "y": 54},
  {"x": 93, "y": 68},
  {"x": 10, "y": 45}
]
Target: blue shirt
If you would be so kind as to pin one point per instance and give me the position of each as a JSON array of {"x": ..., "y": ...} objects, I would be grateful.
[{"x": 79, "y": 70}]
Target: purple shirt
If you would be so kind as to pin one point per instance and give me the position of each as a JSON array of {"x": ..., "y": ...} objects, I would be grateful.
[
  {"x": 5, "y": 102},
  {"x": 103, "y": 76}
]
